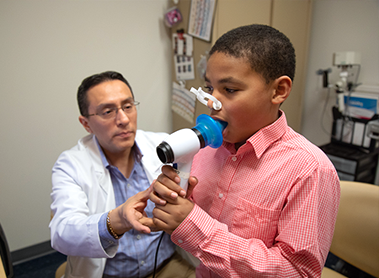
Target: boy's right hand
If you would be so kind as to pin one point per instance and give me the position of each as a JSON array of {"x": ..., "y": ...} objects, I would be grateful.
[
  {"x": 171, "y": 204},
  {"x": 166, "y": 188}
]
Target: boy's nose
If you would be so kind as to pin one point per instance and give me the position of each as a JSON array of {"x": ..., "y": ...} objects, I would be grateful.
[
  {"x": 214, "y": 102},
  {"x": 210, "y": 104},
  {"x": 207, "y": 99}
]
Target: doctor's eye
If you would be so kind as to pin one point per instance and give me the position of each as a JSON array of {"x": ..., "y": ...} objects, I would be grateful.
[{"x": 107, "y": 112}]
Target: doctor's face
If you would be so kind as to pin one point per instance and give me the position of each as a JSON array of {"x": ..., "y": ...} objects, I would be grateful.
[{"x": 116, "y": 133}]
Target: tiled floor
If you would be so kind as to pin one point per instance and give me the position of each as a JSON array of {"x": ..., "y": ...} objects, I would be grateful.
[{"x": 42, "y": 267}]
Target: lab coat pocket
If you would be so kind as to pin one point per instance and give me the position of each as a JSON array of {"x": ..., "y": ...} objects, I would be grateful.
[{"x": 252, "y": 221}]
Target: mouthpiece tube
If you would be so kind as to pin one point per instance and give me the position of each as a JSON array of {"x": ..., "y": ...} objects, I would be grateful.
[
  {"x": 165, "y": 153},
  {"x": 181, "y": 146}
]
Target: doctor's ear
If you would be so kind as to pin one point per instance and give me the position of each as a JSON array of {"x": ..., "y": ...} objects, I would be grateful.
[
  {"x": 84, "y": 121},
  {"x": 282, "y": 89}
]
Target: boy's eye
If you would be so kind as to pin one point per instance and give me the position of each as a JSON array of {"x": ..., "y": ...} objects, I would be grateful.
[
  {"x": 230, "y": 91},
  {"x": 209, "y": 89}
]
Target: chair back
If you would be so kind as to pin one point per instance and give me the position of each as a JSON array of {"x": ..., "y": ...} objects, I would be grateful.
[{"x": 356, "y": 235}]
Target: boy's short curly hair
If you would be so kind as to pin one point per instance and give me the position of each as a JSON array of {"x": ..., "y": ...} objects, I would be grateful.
[{"x": 269, "y": 52}]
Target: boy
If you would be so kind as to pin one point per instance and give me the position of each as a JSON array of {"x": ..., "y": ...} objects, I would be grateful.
[{"x": 266, "y": 201}]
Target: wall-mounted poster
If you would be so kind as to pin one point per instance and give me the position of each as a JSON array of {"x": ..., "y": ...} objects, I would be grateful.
[
  {"x": 183, "y": 48},
  {"x": 200, "y": 21},
  {"x": 183, "y": 102}
]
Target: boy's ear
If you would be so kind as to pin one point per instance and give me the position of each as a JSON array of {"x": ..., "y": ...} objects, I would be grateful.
[
  {"x": 282, "y": 89},
  {"x": 84, "y": 121}
]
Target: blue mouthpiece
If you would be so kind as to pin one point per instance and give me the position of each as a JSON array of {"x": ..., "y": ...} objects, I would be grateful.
[{"x": 211, "y": 130}]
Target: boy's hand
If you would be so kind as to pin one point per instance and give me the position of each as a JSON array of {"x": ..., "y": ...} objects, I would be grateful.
[
  {"x": 171, "y": 206},
  {"x": 167, "y": 188},
  {"x": 168, "y": 217}
]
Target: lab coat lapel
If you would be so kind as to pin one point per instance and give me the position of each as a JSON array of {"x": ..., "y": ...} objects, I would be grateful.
[{"x": 102, "y": 174}]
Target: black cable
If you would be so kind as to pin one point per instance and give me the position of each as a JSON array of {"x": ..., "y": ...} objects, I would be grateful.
[{"x": 156, "y": 253}]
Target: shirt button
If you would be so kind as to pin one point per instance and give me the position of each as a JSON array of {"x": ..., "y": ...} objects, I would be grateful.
[
  {"x": 142, "y": 262},
  {"x": 138, "y": 236},
  {"x": 234, "y": 158},
  {"x": 180, "y": 241},
  {"x": 220, "y": 195}
]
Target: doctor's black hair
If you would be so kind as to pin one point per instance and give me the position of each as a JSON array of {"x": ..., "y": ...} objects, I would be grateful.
[
  {"x": 92, "y": 81},
  {"x": 269, "y": 52}
]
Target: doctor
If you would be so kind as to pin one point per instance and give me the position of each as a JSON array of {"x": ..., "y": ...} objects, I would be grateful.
[{"x": 101, "y": 187}]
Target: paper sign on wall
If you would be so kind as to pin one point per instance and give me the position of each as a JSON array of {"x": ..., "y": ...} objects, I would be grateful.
[
  {"x": 183, "y": 102},
  {"x": 183, "y": 48},
  {"x": 200, "y": 21}
]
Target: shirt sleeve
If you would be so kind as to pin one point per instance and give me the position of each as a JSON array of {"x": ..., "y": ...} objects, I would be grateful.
[
  {"x": 304, "y": 233},
  {"x": 107, "y": 240}
]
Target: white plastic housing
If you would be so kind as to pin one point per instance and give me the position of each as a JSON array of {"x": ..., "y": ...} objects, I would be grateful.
[{"x": 184, "y": 144}]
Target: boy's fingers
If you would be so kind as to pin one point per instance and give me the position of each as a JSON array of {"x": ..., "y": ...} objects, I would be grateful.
[
  {"x": 171, "y": 173},
  {"x": 156, "y": 200}
]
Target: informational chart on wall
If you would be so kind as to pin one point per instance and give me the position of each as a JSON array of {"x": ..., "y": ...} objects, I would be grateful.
[
  {"x": 183, "y": 102},
  {"x": 183, "y": 59},
  {"x": 200, "y": 19}
]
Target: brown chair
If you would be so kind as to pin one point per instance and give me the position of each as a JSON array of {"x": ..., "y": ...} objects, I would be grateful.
[
  {"x": 59, "y": 273},
  {"x": 356, "y": 235}
]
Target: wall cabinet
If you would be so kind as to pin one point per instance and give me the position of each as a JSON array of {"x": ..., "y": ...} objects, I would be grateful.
[{"x": 292, "y": 17}]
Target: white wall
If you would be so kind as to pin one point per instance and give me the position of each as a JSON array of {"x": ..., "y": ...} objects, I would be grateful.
[
  {"x": 46, "y": 49},
  {"x": 338, "y": 25}
]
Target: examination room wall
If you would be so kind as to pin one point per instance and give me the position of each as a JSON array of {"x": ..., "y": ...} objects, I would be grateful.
[
  {"x": 338, "y": 25},
  {"x": 47, "y": 48}
]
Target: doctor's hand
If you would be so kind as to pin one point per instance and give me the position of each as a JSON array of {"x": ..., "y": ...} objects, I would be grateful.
[{"x": 131, "y": 214}]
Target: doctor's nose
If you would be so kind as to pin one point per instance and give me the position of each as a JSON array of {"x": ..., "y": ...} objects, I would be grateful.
[{"x": 122, "y": 117}]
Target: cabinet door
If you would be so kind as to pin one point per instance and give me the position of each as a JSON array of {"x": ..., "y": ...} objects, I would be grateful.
[
  {"x": 293, "y": 18},
  {"x": 234, "y": 13}
]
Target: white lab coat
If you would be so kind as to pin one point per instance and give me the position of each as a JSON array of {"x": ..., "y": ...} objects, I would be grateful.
[{"x": 82, "y": 192}]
